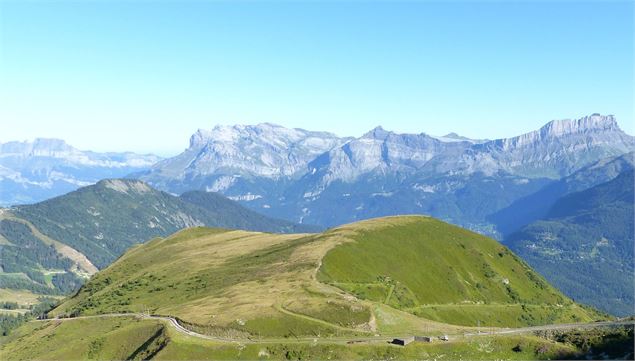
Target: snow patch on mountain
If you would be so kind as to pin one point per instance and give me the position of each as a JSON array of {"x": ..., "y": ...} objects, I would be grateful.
[
  {"x": 423, "y": 188},
  {"x": 245, "y": 197},
  {"x": 382, "y": 194}
]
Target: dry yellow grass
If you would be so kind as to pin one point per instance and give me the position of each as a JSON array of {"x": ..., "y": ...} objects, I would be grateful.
[{"x": 289, "y": 277}]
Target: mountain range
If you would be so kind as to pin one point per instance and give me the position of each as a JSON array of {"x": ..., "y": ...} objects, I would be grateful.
[
  {"x": 299, "y": 175},
  {"x": 32, "y": 171}
]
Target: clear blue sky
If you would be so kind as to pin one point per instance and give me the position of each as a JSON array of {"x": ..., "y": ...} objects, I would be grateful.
[{"x": 144, "y": 75}]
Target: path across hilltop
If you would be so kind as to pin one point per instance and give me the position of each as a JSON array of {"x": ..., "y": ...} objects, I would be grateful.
[{"x": 174, "y": 323}]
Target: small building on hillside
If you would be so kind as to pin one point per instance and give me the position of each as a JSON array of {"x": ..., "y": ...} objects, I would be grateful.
[{"x": 403, "y": 341}]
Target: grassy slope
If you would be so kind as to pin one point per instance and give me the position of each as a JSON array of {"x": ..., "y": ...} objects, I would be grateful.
[
  {"x": 473, "y": 349},
  {"x": 119, "y": 338},
  {"x": 130, "y": 338},
  {"x": 236, "y": 283},
  {"x": 105, "y": 219},
  {"x": 445, "y": 273},
  {"x": 220, "y": 282},
  {"x": 98, "y": 339}
]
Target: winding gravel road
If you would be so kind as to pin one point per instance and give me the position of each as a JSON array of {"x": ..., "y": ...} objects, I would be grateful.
[{"x": 343, "y": 340}]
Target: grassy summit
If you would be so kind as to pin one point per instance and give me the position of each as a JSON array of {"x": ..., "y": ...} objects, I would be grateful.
[
  {"x": 385, "y": 276},
  {"x": 445, "y": 273}
]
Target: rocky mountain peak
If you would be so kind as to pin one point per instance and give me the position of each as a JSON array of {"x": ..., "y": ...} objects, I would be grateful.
[
  {"x": 602, "y": 126},
  {"x": 593, "y": 122},
  {"x": 32, "y": 171},
  {"x": 126, "y": 186},
  {"x": 263, "y": 149},
  {"x": 50, "y": 143},
  {"x": 377, "y": 133},
  {"x": 199, "y": 138},
  {"x": 259, "y": 133}
]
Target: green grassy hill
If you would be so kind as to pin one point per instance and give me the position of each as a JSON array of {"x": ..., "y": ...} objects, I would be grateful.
[
  {"x": 444, "y": 273},
  {"x": 348, "y": 280}
]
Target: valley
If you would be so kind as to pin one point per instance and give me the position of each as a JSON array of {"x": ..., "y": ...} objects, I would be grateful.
[{"x": 586, "y": 235}]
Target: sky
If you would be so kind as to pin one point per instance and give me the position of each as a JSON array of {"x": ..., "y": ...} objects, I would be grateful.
[{"x": 143, "y": 76}]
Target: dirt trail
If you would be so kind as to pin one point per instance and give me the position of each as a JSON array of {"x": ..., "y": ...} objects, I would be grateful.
[{"x": 340, "y": 340}]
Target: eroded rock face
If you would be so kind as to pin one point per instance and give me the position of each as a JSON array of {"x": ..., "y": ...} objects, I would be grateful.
[
  {"x": 266, "y": 149},
  {"x": 126, "y": 186},
  {"x": 557, "y": 149}
]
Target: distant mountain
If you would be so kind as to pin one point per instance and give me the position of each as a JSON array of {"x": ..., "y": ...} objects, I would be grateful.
[
  {"x": 584, "y": 244},
  {"x": 240, "y": 157},
  {"x": 557, "y": 149},
  {"x": 230, "y": 214},
  {"x": 75, "y": 234},
  {"x": 536, "y": 205},
  {"x": 453, "y": 137},
  {"x": 33, "y": 171},
  {"x": 299, "y": 175}
]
